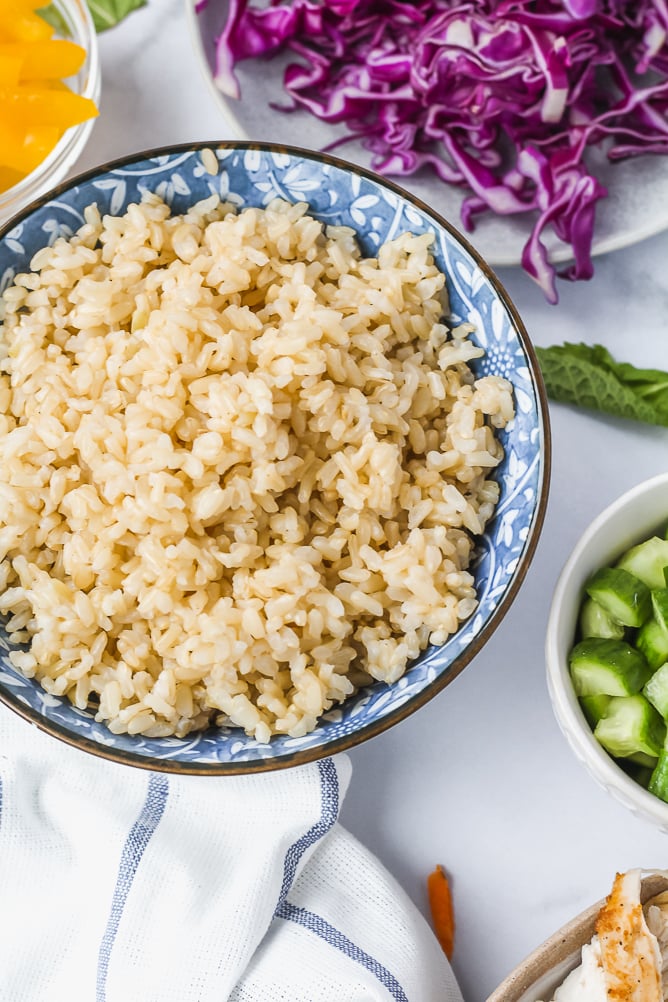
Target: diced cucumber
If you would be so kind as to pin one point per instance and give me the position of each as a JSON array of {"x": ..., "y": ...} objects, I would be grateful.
[
  {"x": 595, "y": 707},
  {"x": 643, "y": 760},
  {"x": 656, "y": 690},
  {"x": 652, "y": 642},
  {"x": 631, "y": 725},
  {"x": 595, "y": 621},
  {"x": 641, "y": 774},
  {"x": 619, "y": 667},
  {"x": 600, "y": 665},
  {"x": 647, "y": 561},
  {"x": 623, "y": 595},
  {"x": 658, "y": 784},
  {"x": 660, "y": 607}
]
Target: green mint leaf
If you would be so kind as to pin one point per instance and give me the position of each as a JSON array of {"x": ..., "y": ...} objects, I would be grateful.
[
  {"x": 107, "y": 13},
  {"x": 650, "y": 385},
  {"x": 588, "y": 376}
]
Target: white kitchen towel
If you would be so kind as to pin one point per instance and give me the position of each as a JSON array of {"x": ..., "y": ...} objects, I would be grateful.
[{"x": 120, "y": 885}]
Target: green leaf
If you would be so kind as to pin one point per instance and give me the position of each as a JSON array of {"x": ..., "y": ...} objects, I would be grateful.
[
  {"x": 53, "y": 17},
  {"x": 588, "y": 376},
  {"x": 107, "y": 13}
]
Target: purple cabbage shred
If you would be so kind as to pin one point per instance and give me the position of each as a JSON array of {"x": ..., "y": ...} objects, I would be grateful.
[{"x": 499, "y": 98}]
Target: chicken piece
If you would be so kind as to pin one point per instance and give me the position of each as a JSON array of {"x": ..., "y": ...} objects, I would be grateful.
[
  {"x": 630, "y": 954},
  {"x": 587, "y": 981}
]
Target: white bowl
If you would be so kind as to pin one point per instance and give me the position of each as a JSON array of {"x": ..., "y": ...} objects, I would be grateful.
[
  {"x": 78, "y": 27},
  {"x": 632, "y": 518}
]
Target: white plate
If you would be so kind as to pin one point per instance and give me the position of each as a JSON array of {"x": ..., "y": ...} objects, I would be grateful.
[{"x": 636, "y": 206}]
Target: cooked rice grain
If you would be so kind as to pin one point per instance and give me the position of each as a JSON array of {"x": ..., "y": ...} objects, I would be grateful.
[{"x": 242, "y": 467}]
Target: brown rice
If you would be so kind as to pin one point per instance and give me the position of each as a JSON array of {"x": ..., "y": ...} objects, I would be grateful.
[{"x": 242, "y": 467}]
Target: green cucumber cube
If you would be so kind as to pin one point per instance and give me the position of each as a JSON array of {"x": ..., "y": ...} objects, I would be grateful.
[
  {"x": 600, "y": 665},
  {"x": 660, "y": 607},
  {"x": 643, "y": 760},
  {"x": 652, "y": 642},
  {"x": 640, "y": 774},
  {"x": 658, "y": 784},
  {"x": 647, "y": 561},
  {"x": 631, "y": 725},
  {"x": 623, "y": 595},
  {"x": 595, "y": 621},
  {"x": 656, "y": 690},
  {"x": 595, "y": 707}
]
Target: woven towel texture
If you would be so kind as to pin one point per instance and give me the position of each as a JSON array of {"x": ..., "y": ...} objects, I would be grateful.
[{"x": 120, "y": 885}]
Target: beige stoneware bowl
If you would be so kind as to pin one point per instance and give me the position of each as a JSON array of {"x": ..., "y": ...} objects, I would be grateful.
[{"x": 540, "y": 974}]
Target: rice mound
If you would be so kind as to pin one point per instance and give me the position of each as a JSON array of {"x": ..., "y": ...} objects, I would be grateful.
[{"x": 242, "y": 468}]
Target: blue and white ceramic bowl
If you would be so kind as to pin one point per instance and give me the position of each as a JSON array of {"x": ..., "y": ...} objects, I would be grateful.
[{"x": 251, "y": 175}]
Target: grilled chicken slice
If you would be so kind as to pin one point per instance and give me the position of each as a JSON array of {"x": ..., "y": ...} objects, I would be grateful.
[
  {"x": 587, "y": 982},
  {"x": 630, "y": 954}
]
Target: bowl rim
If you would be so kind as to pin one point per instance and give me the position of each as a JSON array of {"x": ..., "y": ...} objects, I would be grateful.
[
  {"x": 570, "y": 717},
  {"x": 406, "y": 709},
  {"x": 563, "y": 946}
]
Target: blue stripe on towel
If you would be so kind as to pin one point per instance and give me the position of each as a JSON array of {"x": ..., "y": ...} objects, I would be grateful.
[
  {"x": 133, "y": 850},
  {"x": 329, "y": 812},
  {"x": 318, "y": 925}
]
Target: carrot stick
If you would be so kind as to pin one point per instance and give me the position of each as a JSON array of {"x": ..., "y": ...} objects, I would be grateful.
[{"x": 442, "y": 913}]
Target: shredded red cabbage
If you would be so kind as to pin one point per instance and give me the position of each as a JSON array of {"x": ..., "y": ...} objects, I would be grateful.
[{"x": 500, "y": 98}]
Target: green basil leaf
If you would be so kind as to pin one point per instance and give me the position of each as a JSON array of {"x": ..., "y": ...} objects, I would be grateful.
[
  {"x": 588, "y": 376},
  {"x": 107, "y": 13}
]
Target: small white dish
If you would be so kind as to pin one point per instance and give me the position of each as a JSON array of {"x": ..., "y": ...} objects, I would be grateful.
[
  {"x": 636, "y": 207},
  {"x": 632, "y": 518}
]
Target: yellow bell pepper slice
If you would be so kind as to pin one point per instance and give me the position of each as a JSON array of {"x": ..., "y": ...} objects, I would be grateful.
[
  {"x": 23, "y": 150},
  {"x": 28, "y": 4},
  {"x": 11, "y": 65},
  {"x": 23, "y": 25},
  {"x": 9, "y": 177},
  {"x": 52, "y": 59},
  {"x": 35, "y": 105}
]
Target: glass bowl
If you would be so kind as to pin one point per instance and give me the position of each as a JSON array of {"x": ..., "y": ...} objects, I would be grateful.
[{"x": 77, "y": 26}]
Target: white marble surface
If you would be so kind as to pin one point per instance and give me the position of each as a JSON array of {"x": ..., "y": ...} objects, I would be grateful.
[{"x": 480, "y": 779}]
